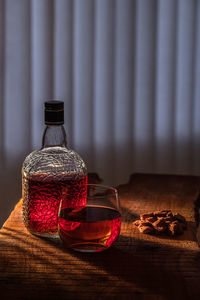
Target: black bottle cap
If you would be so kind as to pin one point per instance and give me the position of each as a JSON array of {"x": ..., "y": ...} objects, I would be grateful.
[{"x": 54, "y": 112}]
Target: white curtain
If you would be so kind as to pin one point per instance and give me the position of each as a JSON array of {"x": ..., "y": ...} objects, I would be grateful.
[{"x": 127, "y": 70}]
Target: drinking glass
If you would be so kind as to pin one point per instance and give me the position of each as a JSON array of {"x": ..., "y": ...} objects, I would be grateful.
[{"x": 95, "y": 226}]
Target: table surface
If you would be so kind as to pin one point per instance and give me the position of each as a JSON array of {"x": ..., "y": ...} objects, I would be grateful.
[{"x": 138, "y": 266}]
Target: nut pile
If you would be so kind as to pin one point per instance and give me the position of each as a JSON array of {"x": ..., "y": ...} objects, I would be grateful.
[{"x": 162, "y": 221}]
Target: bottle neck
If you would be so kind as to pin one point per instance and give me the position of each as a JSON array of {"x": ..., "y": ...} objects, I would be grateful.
[{"x": 54, "y": 135}]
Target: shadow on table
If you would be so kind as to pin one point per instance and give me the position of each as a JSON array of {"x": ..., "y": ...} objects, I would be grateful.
[
  {"x": 128, "y": 216},
  {"x": 132, "y": 265},
  {"x": 148, "y": 267}
]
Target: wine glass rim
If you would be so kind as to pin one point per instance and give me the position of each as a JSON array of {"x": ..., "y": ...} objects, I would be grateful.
[{"x": 103, "y": 186}]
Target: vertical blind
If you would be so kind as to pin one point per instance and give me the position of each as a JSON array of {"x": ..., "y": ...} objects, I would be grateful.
[{"x": 127, "y": 70}]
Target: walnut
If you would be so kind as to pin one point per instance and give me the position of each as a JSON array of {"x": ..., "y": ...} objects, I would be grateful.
[
  {"x": 137, "y": 222},
  {"x": 180, "y": 218},
  {"x": 175, "y": 228},
  {"x": 145, "y": 229},
  {"x": 145, "y": 216},
  {"x": 146, "y": 223},
  {"x": 160, "y": 225},
  {"x": 151, "y": 219},
  {"x": 162, "y": 221},
  {"x": 169, "y": 214},
  {"x": 170, "y": 219}
]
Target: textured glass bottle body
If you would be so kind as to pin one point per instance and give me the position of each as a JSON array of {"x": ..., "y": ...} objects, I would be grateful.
[{"x": 49, "y": 175}]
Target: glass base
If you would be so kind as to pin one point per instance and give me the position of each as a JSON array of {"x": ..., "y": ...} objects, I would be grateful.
[
  {"x": 46, "y": 235},
  {"x": 88, "y": 247}
]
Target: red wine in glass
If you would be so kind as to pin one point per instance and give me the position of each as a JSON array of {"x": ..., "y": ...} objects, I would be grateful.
[{"x": 92, "y": 227}]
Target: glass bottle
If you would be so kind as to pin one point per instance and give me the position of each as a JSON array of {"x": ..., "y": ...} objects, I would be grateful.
[{"x": 50, "y": 174}]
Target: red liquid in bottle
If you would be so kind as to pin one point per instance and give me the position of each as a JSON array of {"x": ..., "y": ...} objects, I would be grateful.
[{"x": 42, "y": 199}]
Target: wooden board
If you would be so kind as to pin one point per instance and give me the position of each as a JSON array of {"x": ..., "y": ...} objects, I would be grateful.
[{"x": 138, "y": 266}]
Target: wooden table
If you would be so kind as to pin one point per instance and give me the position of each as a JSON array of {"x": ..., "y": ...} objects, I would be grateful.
[{"x": 137, "y": 267}]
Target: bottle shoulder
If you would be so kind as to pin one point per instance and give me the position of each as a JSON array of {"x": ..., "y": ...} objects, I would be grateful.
[{"x": 52, "y": 162}]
